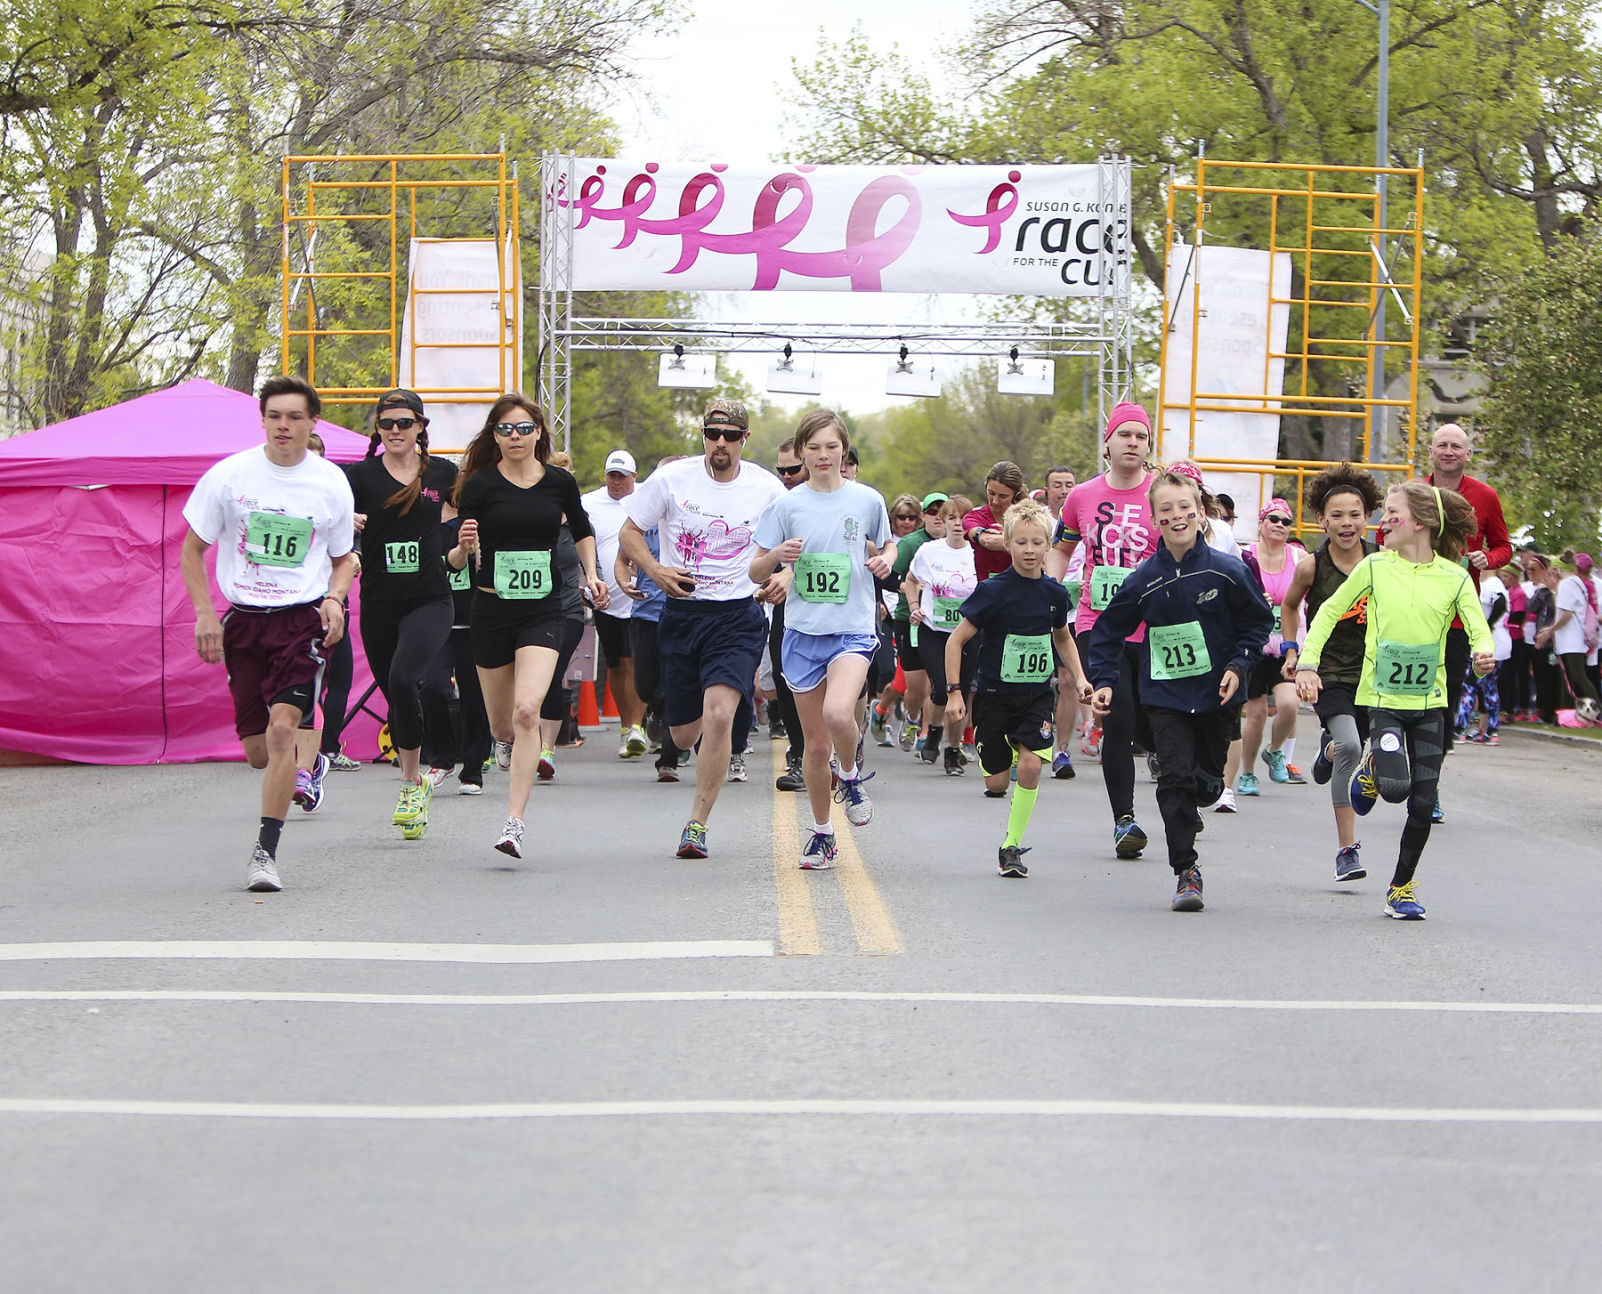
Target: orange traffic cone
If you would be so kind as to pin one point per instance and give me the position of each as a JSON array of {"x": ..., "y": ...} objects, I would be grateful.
[
  {"x": 609, "y": 706},
  {"x": 587, "y": 716}
]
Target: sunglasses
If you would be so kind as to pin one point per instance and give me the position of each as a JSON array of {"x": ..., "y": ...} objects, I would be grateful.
[
  {"x": 789, "y": 471},
  {"x": 516, "y": 428},
  {"x": 906, "y": 516},
  {"x": 394, "y": 424},
  {"x": 729, "y": 435},
  {"x": 1277, "y": 519}
]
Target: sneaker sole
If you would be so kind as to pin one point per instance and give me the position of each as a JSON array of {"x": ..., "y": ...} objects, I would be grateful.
[
  {"x": 415, "y": 830},
  {"x": 1131, "y": 845},
  {"x": 1016, "y": 870},
  {"x": 1189, "y": 903},
  {"x": 1360, "y": 874},
  {"x": 509, "y": 847},
  {"x": 1404, "y": 916},
  {"x": 469, "y": 788},
  {"x": 263, "y": 885},
  {"x": 690, "y": 851},
  {"x": 1065, "y": 774}
]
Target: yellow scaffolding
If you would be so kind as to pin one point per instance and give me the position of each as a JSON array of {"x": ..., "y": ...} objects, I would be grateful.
[
  {"x": 1307, "y": 219},
  {"x": 323, "y": 194}
]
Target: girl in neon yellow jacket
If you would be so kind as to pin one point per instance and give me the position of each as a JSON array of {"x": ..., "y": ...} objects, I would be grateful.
[{"x": 1414, "y": 587}]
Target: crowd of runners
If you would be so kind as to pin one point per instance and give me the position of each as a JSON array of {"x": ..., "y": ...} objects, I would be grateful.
[{"x": 1112, "y": 618}]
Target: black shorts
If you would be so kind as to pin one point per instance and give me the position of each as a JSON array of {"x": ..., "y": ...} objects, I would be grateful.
[
  {"x": 1335, "y": 699},
  {"x": 1265, "y": 676},
  {"x": 273, "y": 656},
  {"x": 502, "y": 626},
  {"x": 1006, "y": 722},
  {"x": 932, "y": 648},
  {"x": 612, "y": 632},
  {"x": 909, "y": 656},
  {"x": 707, "y": 644}
]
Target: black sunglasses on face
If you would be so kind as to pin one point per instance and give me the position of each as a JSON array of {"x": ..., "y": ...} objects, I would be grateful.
[
  {"x": 516, "y": 428},
  {"x": 782, "y": 470},
  {"x": 726, "y": 434},
  {"x": 394, "y": 424},
  {"x": 906, "y": 516},
  {"x": 1278, "y": 520}
]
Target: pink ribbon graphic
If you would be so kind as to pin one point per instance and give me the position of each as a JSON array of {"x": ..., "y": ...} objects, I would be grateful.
[{"x": 995, "y": 214}]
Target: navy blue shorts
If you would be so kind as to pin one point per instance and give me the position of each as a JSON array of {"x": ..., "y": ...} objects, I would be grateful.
[{"x": 707, "y": 644}]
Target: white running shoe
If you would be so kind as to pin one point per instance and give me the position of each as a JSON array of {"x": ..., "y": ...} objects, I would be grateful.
[
  {"x": 635, "y": 743},
  {"x": 470, "y": 788},
  {"x": 1226, "y": 802},
  {"x": 503, "y": 755},
  {"x": 511, "y": 841},
  {"x": 261, "y": 875},
  {"x": 737, "y": 771},
  {"x": 436, "y": 775}
]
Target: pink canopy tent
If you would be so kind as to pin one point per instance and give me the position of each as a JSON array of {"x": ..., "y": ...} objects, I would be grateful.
[{"x": 99, "y": 660}]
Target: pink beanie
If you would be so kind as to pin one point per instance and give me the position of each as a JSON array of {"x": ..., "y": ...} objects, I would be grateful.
[{"x": 1124, "y": 412}]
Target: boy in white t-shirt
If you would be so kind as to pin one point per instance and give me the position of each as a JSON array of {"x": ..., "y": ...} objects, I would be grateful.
[{"x": 282, "y": 520}]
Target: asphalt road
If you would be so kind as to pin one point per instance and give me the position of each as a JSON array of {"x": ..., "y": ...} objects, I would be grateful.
[{"x": 425, "y": 1067}]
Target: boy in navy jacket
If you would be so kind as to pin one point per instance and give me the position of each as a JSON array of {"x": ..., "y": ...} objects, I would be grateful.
[{"x": 1206, "y": 623}]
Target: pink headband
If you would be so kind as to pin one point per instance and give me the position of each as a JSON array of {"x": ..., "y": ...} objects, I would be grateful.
[
  {"x": 1280, "y": 506},
  {"x": 1125, "y": 412},
  {"x": 1186, "y": 469}
]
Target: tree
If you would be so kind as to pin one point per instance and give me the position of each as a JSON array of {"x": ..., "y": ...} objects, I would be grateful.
[{"x": 1541, "y": 426}]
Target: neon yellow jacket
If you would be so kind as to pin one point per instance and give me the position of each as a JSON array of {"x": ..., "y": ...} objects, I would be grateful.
[{"x": 1410, "y": 608}]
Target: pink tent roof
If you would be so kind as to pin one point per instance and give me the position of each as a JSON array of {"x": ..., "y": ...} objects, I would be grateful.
[{"x": 165, "y": 438}]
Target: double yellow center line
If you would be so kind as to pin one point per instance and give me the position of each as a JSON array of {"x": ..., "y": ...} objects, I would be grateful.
[{"x": 800, "y": 891}]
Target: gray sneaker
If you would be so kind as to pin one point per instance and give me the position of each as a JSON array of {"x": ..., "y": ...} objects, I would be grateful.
[
  {"x": 503, "y": 755},
  {"x": 737, "y": 771},
  {"x": 858, "y": 807},
  {"x": 260, "y": 874}
]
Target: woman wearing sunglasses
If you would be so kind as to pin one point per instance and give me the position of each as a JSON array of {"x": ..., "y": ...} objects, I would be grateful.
[
  {"x": 1272, "y": 559},
  {"x": 402, "y": 497},
  {"x": 513, "y": 503}
]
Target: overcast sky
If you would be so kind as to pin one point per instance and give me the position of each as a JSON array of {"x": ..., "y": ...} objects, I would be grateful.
[{"x": 717, "y": 91}]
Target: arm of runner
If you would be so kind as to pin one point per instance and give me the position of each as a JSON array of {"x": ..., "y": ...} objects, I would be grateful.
[
  {"x": 332, "y": 608},
  {"x": 1073, "y": 669},
  {"x": 1498, "y": 546},
  {"x": 623, "y": 573},
  {"x": 956, "y": 708},
  {"x": 877, "y": 563},
  {"x": 1356, "y": 585},
  {"x": 1059, "y": 557},
  {"x": 595, "y": 586},
  {"x": 914, "y": 594},
  {"x": 673, "y": 581},
  {"x": 768, "y": 560},
  {"x": 1481, "y": 646},
  {"x": 1290, "y": 613},
  {"x": 208, "y": 629}
]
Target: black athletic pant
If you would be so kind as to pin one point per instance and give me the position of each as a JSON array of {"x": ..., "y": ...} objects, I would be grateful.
[
  {"x": 1548, "y": 684},
  {"x": 558, "y": 704},
  {"x": 466, "y": 738},
  {"x": 402, "y": 641},
  {"x": 1457, "y": 668},
  {"x": 1124, "y": 725},
  {"x": 336, "y": 693},
  {"x": 1191, "y": 750},
  {"x": 648, "y": 683},
  {"x": 1408, "y": 746},
  {"x": 1515, "y": 684},
  {"x": 787, "y": 710}
]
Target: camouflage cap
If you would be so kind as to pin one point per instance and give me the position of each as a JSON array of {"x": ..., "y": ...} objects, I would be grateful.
[{"x": 724, "y": 412}]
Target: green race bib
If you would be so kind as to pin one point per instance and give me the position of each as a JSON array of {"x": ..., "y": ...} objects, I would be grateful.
[
  {"x": 1074, "y": 587},
  {"x": 1104, "y": 582},
  {"x": 1027, "y": 658},
  {"x": 947, "y": 613},
  {"x": 459, "y": 579},
  {"x": 823, "y": 577},
  {"x": 275, "y": 540},
  {"x": 523, "y": 573},
  {"x": 402, "y": 557},
  {"x": 1406, "y": 669},
  {"x": 1178, "y": 651},
  {"x": 1276, "y": 610}
]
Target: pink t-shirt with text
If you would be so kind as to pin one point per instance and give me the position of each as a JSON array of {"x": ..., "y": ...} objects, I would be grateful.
[{"x": 1115, "y": 529}]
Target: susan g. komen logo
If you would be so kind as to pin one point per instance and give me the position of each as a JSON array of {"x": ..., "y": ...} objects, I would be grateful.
[{"x": 1081, "y": 240}]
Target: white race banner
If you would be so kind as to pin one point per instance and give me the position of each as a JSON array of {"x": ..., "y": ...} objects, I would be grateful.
[
  {"x": 1238, "y": 330},
  {"x": 1027, "y": 230},
  {"x": 453, "y": 330}
]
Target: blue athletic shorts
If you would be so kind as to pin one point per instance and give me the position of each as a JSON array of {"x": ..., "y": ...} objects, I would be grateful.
[
  {"x": 707, "y": 644},
  {"x": 807, "y": 657}
]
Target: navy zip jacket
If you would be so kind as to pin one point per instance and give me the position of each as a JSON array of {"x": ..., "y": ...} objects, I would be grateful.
[{"x": 1206, "y": 598}]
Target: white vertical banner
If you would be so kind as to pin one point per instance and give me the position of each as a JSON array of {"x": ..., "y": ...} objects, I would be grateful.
[
  {"x": 461, "y": 335},
  {"x": 1238, "y": 330}
]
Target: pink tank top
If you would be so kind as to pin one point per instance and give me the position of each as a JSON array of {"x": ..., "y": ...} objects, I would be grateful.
[{"x": 1276, "y": 585}]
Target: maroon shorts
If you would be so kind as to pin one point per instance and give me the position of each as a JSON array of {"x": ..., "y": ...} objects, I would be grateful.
[{"x": 273, "y": 658}]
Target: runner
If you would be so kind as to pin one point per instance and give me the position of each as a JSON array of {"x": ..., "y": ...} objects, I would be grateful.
[
  {"x": 1025, "y": 641},
  {"x": 940, "y": 581},
  {"x": 1111, "y": 515},
  {"x": 402, "y": 495},
  {"x": 512, "y": 506},
  {"x": 1343, "y": 499},
  {"x": 1059, "y": 481},
  {"x": 288, "y": 521},
  {"x": 557, "y": 708},
  {"x": 1273, "y": 561},
  {"x": 712, "y": 632},
  {"x": 914, "y": 676},
  {"x": 910, "y": 526},
  {"x": 604, "y": 506},
  {"x": 791, "y": 472},
  {"x": 1413, "y": 588},
  {"x": 1206, "y": 621},
  {"x": 832, "y": 532},
  {"x": 982, "y": 527}
]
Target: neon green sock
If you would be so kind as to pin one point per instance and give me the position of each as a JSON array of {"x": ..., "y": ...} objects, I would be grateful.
[{"x": 1018, "y": 815}]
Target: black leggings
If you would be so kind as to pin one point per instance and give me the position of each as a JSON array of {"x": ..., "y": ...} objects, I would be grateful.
[
  {"x": 336, "y": 693},
  {"x": 1517, "y": 691},
  {"x": 556, "y": 704},
  {"x": 1457, "y": 669},
  {"x": 1191, "y": 750},
  {"x": 786, "y": 698},
  {"x": 648, "y": 683},
  {"x": 466, "y": 739},
  {"x": 402, "y": 640},
  {"x": 1122, "y": 727},
  {"x": 1408, "y": 746}
]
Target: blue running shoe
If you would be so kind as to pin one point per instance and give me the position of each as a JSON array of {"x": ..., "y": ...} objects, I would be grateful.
[
  {"x": 1364, "y": 789},
  {"x": 1128, "y": 838},
  {"x": 1435, "y": 814},
  {"x": 1062, "y": 766},
  {"x": 1401, "y": 904},
  {"x": 1347, "y": 866},
  {"x": 819, "y": 855},
  {"x": 692, "y": 843},
  {"x": 1323, "y": 766},
  {"x": 1246, "y": 784},
  {"x": 1275, "y": 759},
  {"x": 858, "y": 807},
  {"x": 1188, "y": 892}
]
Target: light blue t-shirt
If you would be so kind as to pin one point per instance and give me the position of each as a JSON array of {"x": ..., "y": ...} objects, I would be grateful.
[{"x": 833, "y": 591}]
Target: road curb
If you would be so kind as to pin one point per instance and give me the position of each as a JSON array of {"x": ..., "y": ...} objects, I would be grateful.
[{"x": 1561, "y": 738}]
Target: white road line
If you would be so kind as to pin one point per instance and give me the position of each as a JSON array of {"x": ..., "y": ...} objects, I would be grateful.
[
  {"x": 784, "y": 995},
  {"x": 780, "y": 1108},
  {"x": 305, "y": 950}
]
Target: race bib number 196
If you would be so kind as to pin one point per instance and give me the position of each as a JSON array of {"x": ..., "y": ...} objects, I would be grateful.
[{"x": 1027, "y": 658}]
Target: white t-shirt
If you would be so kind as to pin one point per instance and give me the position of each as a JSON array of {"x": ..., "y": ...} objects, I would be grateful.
[
  {"x": 1570, "y": 598},
  {"x": 1220, "y": 538},
  {"x": 1501, "y": 639},
  {"x": 834, "y": 591},
  {"x": 946, "y": 573},
  {"x": 708, "y": 527},
  {"x": 607, "y": 516},
  {"x": 1528, "y": 629},
  {"x": 277, "y": 529}
]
